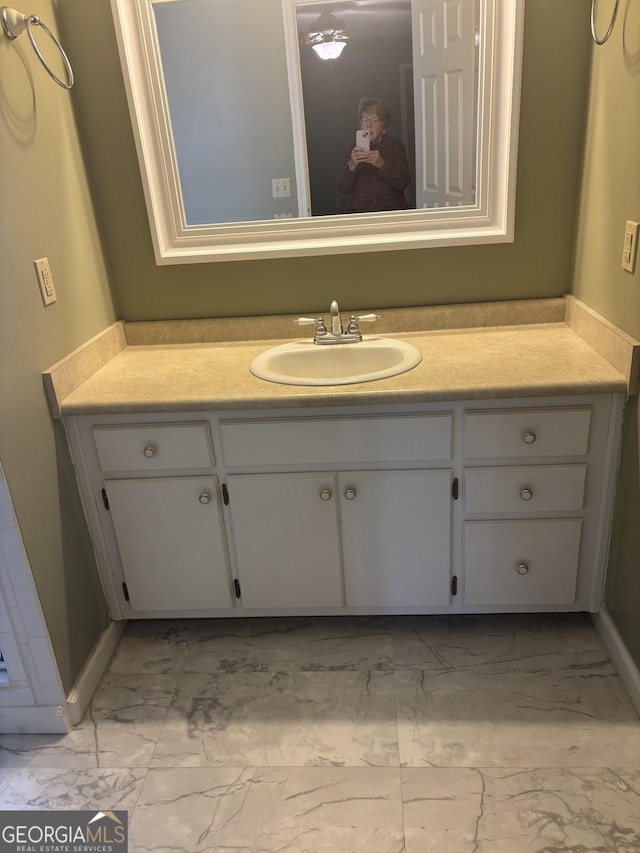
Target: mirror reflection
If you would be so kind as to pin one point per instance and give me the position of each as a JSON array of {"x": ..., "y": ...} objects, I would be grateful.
[{"x": 263, "y": 127}]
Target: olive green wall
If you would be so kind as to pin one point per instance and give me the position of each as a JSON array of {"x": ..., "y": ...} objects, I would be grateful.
[
  {"x": 46, "y": 210},
  {"x": 538, "y": 264},
  {"x": 610, "y": 194}
]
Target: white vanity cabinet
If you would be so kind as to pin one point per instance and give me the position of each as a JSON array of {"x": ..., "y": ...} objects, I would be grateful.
[
  {"x": 161, "y": 515},
  {"x": 344, "y": 534},
  {"x": 463, "y": 506},
  {"x": 386, "y": 532},
  {"x": 532, "y": 492}
]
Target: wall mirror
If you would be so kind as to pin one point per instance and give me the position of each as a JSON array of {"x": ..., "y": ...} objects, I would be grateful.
[{"x": 241, "y": 128}]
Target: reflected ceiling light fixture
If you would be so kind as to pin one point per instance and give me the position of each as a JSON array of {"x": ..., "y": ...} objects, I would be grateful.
[{"x": 328, "y": 38}]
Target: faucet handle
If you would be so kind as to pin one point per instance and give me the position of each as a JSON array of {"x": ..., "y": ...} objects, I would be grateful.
[
  {"x": 352, "y": 328},
  {"x": 318, "y": 322},
  {"x": 308, "y": 321}
]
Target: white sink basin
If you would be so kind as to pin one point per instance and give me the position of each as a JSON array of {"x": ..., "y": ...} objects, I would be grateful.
[{"x": 306, "y": 363}]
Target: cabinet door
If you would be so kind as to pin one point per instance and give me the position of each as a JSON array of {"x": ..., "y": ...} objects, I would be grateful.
[
  {"x": 396, "y": 538},
  {"x": 286, "y": 539},
  {"x": 171, "y": 543}
]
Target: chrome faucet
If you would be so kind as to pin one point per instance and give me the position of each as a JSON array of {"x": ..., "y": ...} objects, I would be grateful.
[
  {"x": 336, "y": 323},
  {"x": 337, "y": 335}
]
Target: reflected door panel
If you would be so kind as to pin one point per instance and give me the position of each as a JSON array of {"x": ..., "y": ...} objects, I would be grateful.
[{"x": 445, "y": 71}]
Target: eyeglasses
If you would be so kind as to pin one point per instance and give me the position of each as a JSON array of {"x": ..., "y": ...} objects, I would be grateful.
[{"x": 370, "y": 120}]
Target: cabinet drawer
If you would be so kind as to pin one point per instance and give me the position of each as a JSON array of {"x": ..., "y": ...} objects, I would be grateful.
[
  {"x": 154, "y": 447},
  {"x": 526, "y": 433},
  {"x": 521, "y": 562},
  {"x": 336, "y": 441},
  {"x": 541, "y": 488}
]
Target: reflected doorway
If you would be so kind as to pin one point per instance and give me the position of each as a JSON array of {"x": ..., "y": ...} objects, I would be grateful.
[
  {"x": 420, "y": 56},
  {"x": 376, "y": 63}
]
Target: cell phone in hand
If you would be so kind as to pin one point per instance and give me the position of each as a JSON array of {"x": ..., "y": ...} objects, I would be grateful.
[{"x": 362, "y": 139}]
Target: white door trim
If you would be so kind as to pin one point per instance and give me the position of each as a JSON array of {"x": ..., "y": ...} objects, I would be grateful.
[{"x": 32, "y": 698}]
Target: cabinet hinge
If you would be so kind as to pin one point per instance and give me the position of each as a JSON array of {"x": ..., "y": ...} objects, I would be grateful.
[
  {"x": 454, "y": 585},
  {"x": 236, "y": 587},
  {"x": 455, "y": 488},
  {"x": 125, "y": 591},
  {"x": 105, "y": 499},
  {"x": 225, "y": 494}
]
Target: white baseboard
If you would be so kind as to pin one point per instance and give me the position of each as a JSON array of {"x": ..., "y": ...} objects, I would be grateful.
[
  {"x": 93, "y": 672},
  {"x": 622, "y": 660},
  {"x": 34, "y": 720}
]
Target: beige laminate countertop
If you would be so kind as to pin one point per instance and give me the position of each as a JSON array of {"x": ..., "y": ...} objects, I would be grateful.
[{"x": 527, "y": 360}]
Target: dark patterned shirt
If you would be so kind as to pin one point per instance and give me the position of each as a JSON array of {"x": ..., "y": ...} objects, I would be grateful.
[{"x": 374, "y": 189}]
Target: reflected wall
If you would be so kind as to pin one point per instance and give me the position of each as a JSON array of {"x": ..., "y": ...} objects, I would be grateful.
[{"x": 225, "y": 75}]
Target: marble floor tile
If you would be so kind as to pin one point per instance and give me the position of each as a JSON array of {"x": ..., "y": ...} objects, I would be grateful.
[
  {"x": 294, "y": 718},
  {"x": 425, "y": 734},
  {"x": 74, "y": 751},
  {"x": 294, "y": 644},
  {"x": 529, "y": 810},
  {"x": 496, "y": 642},
  {"x": 120, "y": 728},
  {"x": 468, "y": 718},
  {"x": 270, "y": 810},
  {"x": 71, "y": 789},
  {"x": 441, "y": 809},
  {"x": 152, "y": 647},
  {"x": 126, "y": 717}
]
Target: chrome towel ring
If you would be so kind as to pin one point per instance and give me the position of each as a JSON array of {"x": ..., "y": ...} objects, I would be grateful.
[
  {"x": 13, "y": 23},
  {"x": 594, "y": 12}
]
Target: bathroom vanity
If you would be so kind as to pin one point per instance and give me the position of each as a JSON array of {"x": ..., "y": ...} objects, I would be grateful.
[{"x": 481, "y": 480}]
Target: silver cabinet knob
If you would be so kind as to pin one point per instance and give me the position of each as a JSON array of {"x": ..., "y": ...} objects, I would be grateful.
[
  {"x": 205, "y": 498},
  {"x": 325, "y": 495},
  {"x": 522, "y": 569},
  {"x": 529, "y": 437},
  {"x": 349, "y": 494},
  {"x": 150, "y": 451},
  {"x": 526, "y": 494}
]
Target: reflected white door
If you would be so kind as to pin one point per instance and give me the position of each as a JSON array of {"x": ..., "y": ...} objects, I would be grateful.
[{"x": 444, "y": 58}]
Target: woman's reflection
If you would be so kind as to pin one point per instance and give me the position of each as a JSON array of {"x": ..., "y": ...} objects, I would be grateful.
[{"x": 375, "y": 172}]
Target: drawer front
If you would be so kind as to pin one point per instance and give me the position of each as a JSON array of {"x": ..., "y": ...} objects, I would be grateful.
[
  {"x": 542, "y": 488},
  {"x": 521, "y": 562},
  {"x": 336, "y": 441},
  {"x": 154, "y": 447},
  {"x": 526, "y": 433}
]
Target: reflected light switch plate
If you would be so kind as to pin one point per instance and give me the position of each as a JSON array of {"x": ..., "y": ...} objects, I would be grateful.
[{"x": 281, "y": 187}]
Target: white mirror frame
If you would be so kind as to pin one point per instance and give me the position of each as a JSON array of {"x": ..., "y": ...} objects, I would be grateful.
[{"x": 490, "y": 220}]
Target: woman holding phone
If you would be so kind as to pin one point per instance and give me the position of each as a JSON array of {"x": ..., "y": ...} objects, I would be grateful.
[{"x": 375, "y": 172}]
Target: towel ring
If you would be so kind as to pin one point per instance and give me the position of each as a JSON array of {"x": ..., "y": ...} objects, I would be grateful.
[
  {"x": 594, "y": 12},
  {"x": 13, "y": 23}
]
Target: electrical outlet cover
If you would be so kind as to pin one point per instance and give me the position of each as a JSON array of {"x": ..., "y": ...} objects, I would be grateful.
[
  {"x": 45, "y": 280},
  {"x": 630, "y": 245}
]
